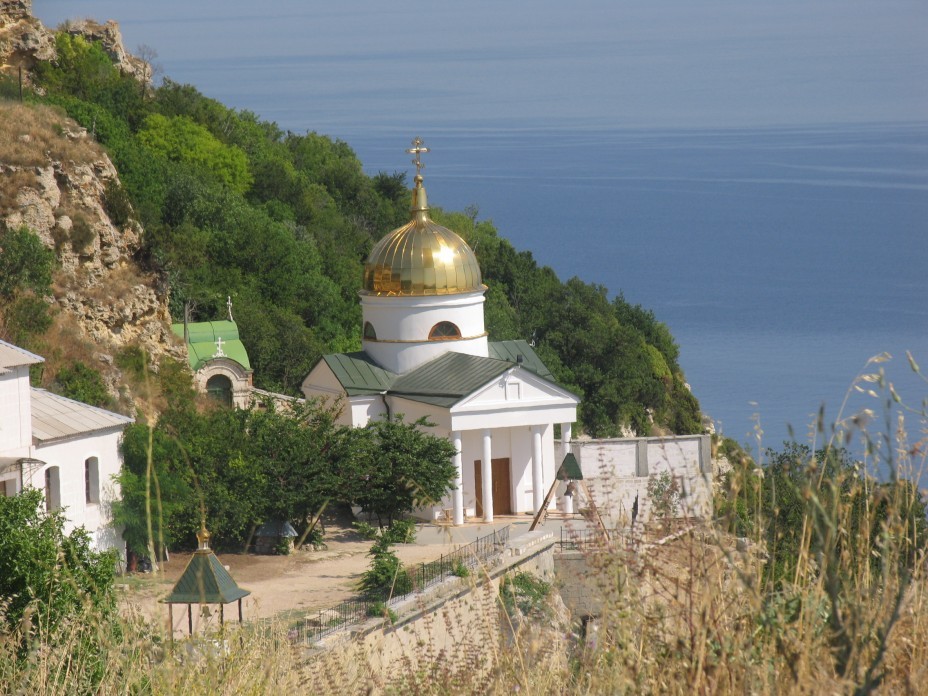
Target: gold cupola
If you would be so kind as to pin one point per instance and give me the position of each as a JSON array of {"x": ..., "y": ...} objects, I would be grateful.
[{"x": 421, "y": 258}]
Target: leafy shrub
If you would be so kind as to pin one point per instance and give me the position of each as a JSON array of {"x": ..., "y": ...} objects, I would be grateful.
[
  {"x": 315, "y": 538},
  {"x": 366, "y": 530},
  {"x": 525, "y": 592},
  {"x": 132, "y": 359},
  {"x": 386, "y": 576},
  {"x": 48, "y": 579},
  {"x": 664, "y": 493},
  {"x": 116, "y": 203},
  {"x": 400, "y": 532},
  {"x": 181, "y": 140},
  {"x": 26, "y": 317},
  {"x": 381, "y": 609},
  {"x": 82, "y": 235},
  {"x": 82, "y": 383},
  {"x": 25, "y": 263},
  {"x": 460, "y": 570}
]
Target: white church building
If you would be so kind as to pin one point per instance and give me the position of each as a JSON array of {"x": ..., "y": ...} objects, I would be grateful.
[
  {"x": 425, "y": 352},
  {"x": 66, "y": 448}
]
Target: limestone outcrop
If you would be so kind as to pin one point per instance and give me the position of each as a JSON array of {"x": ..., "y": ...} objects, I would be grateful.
[
  {"x": 110, "y": 39},
  {"x": 23, "y": 38},
  {"x": 55, "y": 179},
  {"x": 24, "y": 41}
]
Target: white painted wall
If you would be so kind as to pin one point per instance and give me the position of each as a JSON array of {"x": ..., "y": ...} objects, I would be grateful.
[
  {"x": 610, "y": 471},
  {"x": 69, "y": 456},
  {"x": 15, "y": 412},
  {"x": 402, "y": 325}
]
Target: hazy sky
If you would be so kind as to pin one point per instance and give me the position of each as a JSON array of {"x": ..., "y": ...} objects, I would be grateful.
[{"x": 368, "y": 64}]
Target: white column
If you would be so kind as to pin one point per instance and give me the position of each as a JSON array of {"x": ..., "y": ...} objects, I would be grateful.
[
  {"x": 538, "y": 492},
  {"x": 458, "y": 493},
  {"x": 486, "y": 475},
  {"x": 566, "y": 434}
]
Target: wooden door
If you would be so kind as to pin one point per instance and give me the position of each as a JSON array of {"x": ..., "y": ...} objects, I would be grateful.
[{"x": 502, "y": 501}]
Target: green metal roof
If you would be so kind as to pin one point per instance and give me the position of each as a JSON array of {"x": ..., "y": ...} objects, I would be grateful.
[
  {"x": 446, "y": 380},
  {"x": 570, "y": 469},
  {"x": 511, "y": 350},
  {"x": 205, "y": 581},
  {"x": 443, "y": 381},
  {"x": 358, "y": 374},
  {"x": 203, "y": 339}
]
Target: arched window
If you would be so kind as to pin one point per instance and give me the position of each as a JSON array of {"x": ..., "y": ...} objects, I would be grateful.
[
  {"x": 444, "y": 331},
  {"x": 369, "y": 332},
  {"x": 219, "y": 387},
  {"x": 52, "y": 489},
  {"x": 92, "y": 480}
]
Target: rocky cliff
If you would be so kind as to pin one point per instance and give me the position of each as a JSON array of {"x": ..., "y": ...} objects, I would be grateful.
[{"x": 55, "y": 180}]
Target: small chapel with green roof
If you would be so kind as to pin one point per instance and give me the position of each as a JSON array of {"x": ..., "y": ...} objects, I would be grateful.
[
  {"x": 218, "y": 359},
  {"x": 426, "y": 353}
]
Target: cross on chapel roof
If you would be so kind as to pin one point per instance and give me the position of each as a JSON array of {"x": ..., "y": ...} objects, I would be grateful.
[
  {"x": 417, "y": 149},
  {"x": 219, "y": 353}
]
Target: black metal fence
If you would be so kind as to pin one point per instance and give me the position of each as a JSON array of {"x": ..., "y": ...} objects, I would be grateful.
[{"x": 459, "y": 562}]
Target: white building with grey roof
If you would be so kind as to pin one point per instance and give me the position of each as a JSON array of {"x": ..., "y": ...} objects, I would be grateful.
[{"x": 66, "y": 448}]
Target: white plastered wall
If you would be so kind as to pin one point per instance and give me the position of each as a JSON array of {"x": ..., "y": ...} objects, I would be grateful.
[
  {"x": 612, "y": 471},
  {"x": 402, "y": 325},
  {"x": 15, "y": 413},
  {"x": 70, "y": 457}
]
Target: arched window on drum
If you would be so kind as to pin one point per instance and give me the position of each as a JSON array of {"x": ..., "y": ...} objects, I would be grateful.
[{"x": 444, "y": 331}]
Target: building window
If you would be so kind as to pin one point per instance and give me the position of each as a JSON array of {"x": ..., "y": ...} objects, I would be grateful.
[
  {"x": 444, "y": 331},
  {"x": 92, "y": 480},
  {"x": 219, "y": 387},
  {"x": 369, "y": 332},
  {"x": 52, "y": 489}
]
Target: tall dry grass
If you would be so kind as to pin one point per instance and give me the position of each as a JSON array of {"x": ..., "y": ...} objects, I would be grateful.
[{"x": 35, "y": 135}]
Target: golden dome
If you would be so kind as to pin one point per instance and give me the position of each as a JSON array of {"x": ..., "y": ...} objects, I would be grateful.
[{"x": 421, "y": 258}]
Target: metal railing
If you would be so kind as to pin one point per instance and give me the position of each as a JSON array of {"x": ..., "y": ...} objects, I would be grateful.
[{"x": 459, "y": 562}]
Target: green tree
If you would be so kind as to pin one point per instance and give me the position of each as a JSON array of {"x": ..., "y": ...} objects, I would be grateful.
[
  {"x": 181, "y": 140},
  {"x": 401, "y": 467},
  {"x": 156, "y": 490},
  {"x": 46, "y": 576}
]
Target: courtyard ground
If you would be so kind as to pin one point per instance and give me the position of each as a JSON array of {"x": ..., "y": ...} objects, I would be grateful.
[{"x": 287, "y": 587}]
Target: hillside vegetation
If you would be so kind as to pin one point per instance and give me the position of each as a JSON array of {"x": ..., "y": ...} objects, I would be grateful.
[{"x": 232, "y": 205}]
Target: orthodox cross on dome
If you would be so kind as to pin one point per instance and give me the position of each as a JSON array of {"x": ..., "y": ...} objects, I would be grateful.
[
  {"x": 229, "y": 306},
  {"x": 219, "y": 353},
  {"x": 417, "y": 149}
]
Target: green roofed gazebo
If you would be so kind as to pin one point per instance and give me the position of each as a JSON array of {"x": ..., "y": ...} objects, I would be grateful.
[{"x": 204, "y": 581}]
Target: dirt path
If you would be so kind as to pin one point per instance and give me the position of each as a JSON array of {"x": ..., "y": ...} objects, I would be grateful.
[{"x": 281, "y": 586}]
